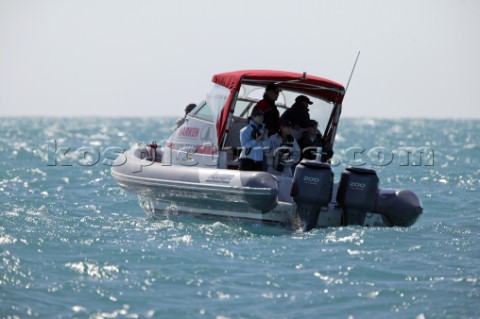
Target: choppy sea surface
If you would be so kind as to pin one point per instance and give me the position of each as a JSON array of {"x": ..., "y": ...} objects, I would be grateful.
[{"x": 73, "y": 244}]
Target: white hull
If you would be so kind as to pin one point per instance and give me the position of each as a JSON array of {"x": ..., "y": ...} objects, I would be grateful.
[{"x": 162, "y": 192}]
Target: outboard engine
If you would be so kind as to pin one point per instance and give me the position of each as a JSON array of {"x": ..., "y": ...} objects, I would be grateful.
[
  {"x": 357, "y": 194},
  {"x": 311, "y": 190},
  {"x": 400, "y": 208}
]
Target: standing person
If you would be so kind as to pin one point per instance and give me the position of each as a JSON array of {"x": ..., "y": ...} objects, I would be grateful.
[
  {"x": 269, "y": 109},
  {"x": 299, "y": 115},
  {"x": 253, "y": 139},
  {"x": 181, "y": 120},
  {"x": 286, "y": 151},
  {"x": 312, "y": 139}
]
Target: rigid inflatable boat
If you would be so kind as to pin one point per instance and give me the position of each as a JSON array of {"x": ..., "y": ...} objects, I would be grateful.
[{"x": 196, "y": 170}]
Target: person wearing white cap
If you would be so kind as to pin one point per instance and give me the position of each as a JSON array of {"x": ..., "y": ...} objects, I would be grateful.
[{"x": 253, "y": 139}]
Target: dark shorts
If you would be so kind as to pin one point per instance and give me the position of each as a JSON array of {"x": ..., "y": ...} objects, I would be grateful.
[{"x": 247, "y": 164}]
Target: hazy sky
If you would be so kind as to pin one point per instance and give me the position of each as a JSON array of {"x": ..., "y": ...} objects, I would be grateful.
[{"x": 151, "y": 58}]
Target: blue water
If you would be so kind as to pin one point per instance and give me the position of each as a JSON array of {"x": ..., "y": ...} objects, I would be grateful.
[{"x": 75, "y": 245}]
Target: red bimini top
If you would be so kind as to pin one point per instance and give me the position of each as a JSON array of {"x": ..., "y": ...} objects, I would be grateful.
[{"x": 297, "y": 82}]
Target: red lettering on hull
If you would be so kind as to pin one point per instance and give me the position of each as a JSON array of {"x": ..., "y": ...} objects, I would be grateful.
[{"x": 189, "y": 132}]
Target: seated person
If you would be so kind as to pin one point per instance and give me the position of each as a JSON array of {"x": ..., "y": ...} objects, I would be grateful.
[
  {"x": 285, "y": 151},
  {"x": 253, "y": 139},
  {"x": 181, "y": 120},
  {"x": 269, "y": 109},
  {"x": 312, "y": 139},
  {"x": 298, "y": 114}
]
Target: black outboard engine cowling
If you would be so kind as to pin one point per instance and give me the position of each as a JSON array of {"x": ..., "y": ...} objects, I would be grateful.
[
  {"x": 357, "y": 194},
  {"x": 311, "y": 190}
]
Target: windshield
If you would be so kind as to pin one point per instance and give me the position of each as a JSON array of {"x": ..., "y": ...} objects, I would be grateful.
[{"x": 249, "y": 95}]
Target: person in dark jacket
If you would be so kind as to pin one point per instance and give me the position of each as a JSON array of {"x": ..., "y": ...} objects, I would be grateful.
[
  {"x": 298, "y": 114},
  {"x": 181, "y": 120},
  {"x": 271, "y": 116},
  {"x": 313, "y": 139}
]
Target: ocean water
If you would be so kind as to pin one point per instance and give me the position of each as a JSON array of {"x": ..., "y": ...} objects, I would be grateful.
[{"x": 75, "y": 245}]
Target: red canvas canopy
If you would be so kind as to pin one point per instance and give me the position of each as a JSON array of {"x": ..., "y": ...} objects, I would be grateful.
[
  {"x": 297, "y": 82},
  {"x": 308, "y": 84}
]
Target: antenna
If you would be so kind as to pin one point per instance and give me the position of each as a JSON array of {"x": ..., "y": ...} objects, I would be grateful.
[{"x": 351, "y": 74}]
